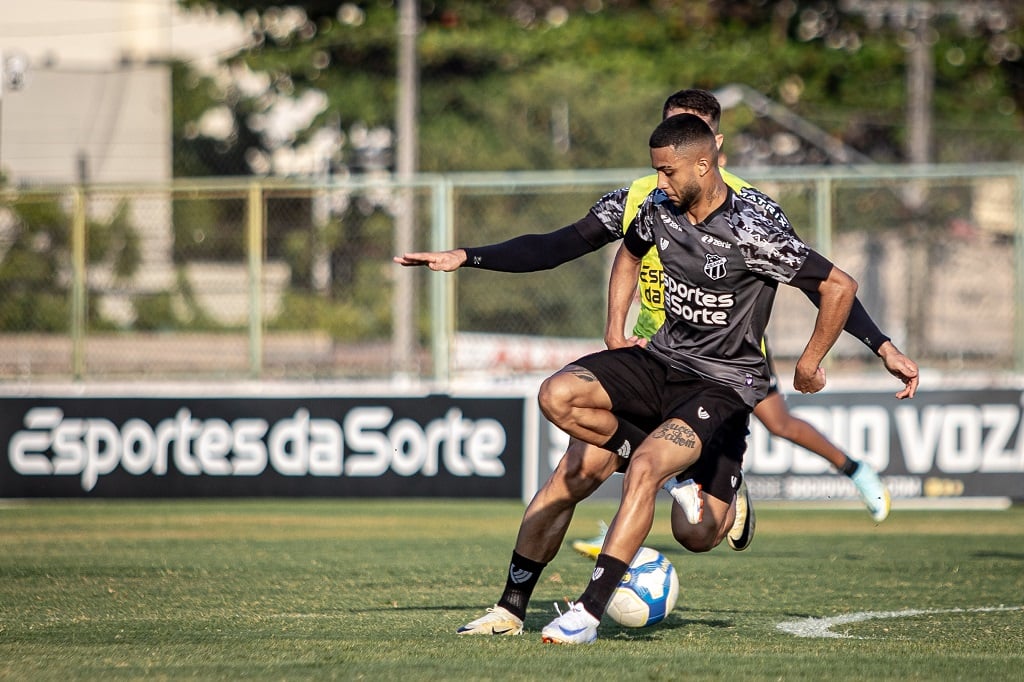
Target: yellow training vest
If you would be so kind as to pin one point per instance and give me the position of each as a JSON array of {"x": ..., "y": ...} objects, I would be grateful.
[{"x": 652, "y": 302}]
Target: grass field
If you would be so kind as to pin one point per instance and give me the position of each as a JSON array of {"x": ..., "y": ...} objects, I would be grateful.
[{"x": 322, "y": 589}]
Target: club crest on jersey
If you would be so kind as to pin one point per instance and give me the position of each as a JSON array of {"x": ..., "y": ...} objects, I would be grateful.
[{"x": 714, "y": 266}]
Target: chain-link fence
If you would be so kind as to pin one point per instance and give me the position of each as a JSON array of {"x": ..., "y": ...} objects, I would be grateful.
[{"x": 285, "y": 280}]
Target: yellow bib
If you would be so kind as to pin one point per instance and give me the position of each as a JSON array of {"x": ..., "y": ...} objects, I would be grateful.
[{"x": 652, "y": 305}]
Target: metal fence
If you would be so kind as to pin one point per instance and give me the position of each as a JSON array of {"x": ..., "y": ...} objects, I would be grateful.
[{"x": 260, "y": 279}]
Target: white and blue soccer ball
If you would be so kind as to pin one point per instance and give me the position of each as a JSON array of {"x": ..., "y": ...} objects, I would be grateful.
[{"x": 648, "y": 591}]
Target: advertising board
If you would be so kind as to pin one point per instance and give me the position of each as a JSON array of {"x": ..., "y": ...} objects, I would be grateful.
[{"x": 138, "y": 446}]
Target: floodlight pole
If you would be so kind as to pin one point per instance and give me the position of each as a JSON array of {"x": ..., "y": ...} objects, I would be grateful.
[{"x": 403, "y": 341}]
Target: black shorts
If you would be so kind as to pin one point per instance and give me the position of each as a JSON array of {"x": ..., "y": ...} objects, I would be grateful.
[
  {"x": 719, "y": 469},
  {"x": 647, "y": 392}
]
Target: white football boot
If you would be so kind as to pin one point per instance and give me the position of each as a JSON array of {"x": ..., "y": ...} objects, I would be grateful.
[
  {"x": 575, "y": 626},
  {"x": 687, "y": 494},
  {"x": 497, "y": 621}
]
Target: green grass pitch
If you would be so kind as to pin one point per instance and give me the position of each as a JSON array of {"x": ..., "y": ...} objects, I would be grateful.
[{"x": 374, "y": 590}]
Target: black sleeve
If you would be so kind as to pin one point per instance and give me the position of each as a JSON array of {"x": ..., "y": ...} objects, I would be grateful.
[
  {"x": 636, "y": 245},
  {"x": 815, "y": 270},
  {"x": 859, "y": 324},
  {"x": 532, "y": 252},
  {"x": 812, "y": 273}
]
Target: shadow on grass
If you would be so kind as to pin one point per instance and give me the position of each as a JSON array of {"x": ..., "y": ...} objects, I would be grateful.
[
  {"x": 1012, "y": 556},
  {"x": 657, "y": 631}
]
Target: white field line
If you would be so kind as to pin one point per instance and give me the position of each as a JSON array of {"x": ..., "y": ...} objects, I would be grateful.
[{"x": 822, "y": 627}]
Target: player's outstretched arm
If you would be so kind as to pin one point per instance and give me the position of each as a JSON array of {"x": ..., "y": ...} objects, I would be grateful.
[
  {"x": 438, "y": 261},
  {"x": 525, "y": 253},
  {"x": 901, "y": 367},
  {"x": 860, "y": 325},
  {"x": 838, "y": 292}
]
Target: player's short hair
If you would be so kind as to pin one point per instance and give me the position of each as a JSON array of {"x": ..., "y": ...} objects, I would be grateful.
[
  {"x": 702, "y": 102},
  {"x": 683, "y": 131}
]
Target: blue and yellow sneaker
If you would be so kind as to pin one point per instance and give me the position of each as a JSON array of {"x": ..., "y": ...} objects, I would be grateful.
[
  {"x": 592, "y": 547},
  {"x": 872, "y": 491}
]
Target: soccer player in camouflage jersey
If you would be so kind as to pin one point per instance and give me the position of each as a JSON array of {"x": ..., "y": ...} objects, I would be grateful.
[
  {"x": 584, "y": 467},
  {"x": 696, "y": 383}
]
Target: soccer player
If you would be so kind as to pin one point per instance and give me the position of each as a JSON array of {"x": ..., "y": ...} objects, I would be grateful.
[
  {"x": 723, "y": 255},
  {"x": 584, "y": 468}
]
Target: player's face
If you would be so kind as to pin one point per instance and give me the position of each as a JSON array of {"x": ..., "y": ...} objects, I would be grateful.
[{"x": 677, "y": 175}]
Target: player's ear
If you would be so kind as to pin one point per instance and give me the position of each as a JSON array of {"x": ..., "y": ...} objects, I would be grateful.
[
  {"x": 703, "y": 166},
  {"x": 719, "y": 139}
]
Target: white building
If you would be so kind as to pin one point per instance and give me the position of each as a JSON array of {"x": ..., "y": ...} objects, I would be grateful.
[
  {"x": 86, "y": 96},
  {"x": 85, "y": 90}
]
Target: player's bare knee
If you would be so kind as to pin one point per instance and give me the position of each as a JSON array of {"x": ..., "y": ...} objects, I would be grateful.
[
  {"x": 583, "y": 469},
  {"x": 643, "y": 475},
  {"x": 697, "y": 539},
  {"x": 555, "y": 399}
]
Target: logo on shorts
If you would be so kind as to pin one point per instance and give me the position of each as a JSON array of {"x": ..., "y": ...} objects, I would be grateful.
[
  {"x": 625, "y": 450},
  {"x": 664, "y": 243},
  {"x": 702, "y": 413},
  {"x": 714, "y": 267},
  {"x": 733, "y": 480},
  {"x": 598, "y": 572}
]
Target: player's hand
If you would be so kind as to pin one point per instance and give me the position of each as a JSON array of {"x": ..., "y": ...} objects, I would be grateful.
[
  {"x": 901, "y": 367},
  {"x": 620, "y": 341},
  {"x": 809, "y": 380},
  {"x": 438, "y": 261}
]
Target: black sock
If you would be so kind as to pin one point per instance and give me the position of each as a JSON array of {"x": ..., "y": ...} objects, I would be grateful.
[
  {"x": 523, "y": 575},
  {"x": 625, "y": 439},
  {"x": 850, "y": 466},
  {"x": 608, "y": 572}
]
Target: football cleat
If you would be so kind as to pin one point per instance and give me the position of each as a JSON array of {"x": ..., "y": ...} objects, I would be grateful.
[
  {"x": 872, "y": 491},
  {"x": 742, "y": 532},
  {"x": 687, "y": 494},
  {"x": 497, "y": 621},
  {"x": 575, "y": 626},
  {"x": 592, "y": 547}
]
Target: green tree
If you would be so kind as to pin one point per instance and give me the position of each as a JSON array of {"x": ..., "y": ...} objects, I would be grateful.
[
  {"x": 35, "y": 280},
  {"x": 539, "y": 85}
]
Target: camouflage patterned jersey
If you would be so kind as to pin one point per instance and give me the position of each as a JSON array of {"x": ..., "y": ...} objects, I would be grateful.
[
  {"x": 616, "y": 211},
  {"x": 719, "y": 281}
]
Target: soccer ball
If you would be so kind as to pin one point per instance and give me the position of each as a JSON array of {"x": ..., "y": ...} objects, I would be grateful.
[{"x": 648, "y": 591}]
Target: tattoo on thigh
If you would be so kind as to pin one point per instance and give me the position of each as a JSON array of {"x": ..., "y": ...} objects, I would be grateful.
[
  {"x": 677, "y": 433},
  {"x": 581, "y": 373}
]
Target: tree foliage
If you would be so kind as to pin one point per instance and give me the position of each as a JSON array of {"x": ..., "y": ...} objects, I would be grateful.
[
  {"x": 35, "y": 280},
  {"x": 499, "y": 80},
  {"x": 565, "y": 84}
]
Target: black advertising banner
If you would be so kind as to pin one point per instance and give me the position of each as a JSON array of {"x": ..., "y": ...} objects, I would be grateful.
[
  {"x": 939, "y": 445},
  {"x": 423, "y": 446}
]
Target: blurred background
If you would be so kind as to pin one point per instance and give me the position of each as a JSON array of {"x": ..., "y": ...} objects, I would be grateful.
[{"x": 214, "y": 189}]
